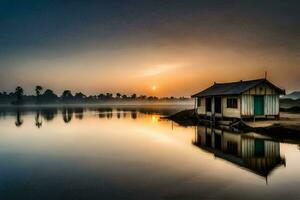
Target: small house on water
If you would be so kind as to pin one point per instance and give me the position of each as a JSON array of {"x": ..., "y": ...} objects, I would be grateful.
[{"x": 242, "y": 99}]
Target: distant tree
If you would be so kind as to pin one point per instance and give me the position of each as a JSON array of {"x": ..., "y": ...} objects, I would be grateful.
[
  {"x": 19, "y": 93},
  {"x": 66, "y": 96},
  {"x": 101, "y": 97},
  {"x": 92, "y": 98},
  {"x": 79, "y": 96},
  {"x": 38, "y": 90},
  {"x": 133, "y": 96},
  {"x": 48, "y": 97},
  {"x": 150, "y": 98},
  {"x": 118, "y": 95},
  {"x": 109, "y": 96},
  {"x": 142, "y": 97},
  {"x": 124, "y": 96}
]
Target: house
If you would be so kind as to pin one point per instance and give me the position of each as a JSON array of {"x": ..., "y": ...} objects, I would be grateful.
[
  {"x": 256, "y": 153},
  {"x": 242, "y": 99}
]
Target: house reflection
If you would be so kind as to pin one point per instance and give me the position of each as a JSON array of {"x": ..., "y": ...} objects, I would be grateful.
[{"x": 251, "y": 151}]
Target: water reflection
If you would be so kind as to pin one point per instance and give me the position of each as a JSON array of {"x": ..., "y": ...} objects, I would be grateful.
[
  {"x": 19, "y": 120},
  {"x": 253, "y": 152},
  {"x": 49, "y": 113},
  {"x": 79, "y": 113},
  {"x": 38, "y": 120},
  {"x": 133, "y": 114},
  {"x": 107, "y": 150},
  {"x": 67, "y": 113}
]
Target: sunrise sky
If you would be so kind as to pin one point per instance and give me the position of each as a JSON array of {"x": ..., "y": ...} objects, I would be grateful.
[{"x": 160, "y": 48}]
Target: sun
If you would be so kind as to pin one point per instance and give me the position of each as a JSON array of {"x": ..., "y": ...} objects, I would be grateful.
[{"x": 153, "y": 87}]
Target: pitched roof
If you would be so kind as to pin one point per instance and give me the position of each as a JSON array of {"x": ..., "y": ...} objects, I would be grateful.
[{"x": 234, "y": 88}]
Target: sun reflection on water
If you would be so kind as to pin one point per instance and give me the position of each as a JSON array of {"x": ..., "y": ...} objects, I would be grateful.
[{"x": 154, "y": 118}]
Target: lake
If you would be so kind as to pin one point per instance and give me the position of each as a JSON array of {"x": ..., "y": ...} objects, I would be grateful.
[{"x": 130, "y": 153}]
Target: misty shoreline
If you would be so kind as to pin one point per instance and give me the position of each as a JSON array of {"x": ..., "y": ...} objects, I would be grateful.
[{"x": 112, "y": 103}]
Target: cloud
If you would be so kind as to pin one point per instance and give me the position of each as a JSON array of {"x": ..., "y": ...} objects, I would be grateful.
[{"x": 158, "y": 69}]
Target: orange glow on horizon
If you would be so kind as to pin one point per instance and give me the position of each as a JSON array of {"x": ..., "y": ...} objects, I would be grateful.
[{"x": 153, "y": 87}]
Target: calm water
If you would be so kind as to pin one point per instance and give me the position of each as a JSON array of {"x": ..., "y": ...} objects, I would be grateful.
[{"x": 130, "y": 153}]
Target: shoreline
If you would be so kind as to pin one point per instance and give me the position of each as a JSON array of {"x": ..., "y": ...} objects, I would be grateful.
[
  {"x": 120, "y": 104},
  {"x": 284, "y": 130}
]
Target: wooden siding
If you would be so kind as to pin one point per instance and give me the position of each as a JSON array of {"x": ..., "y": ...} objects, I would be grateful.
[
  {"x": 272, "y": 149},
  {"x": 247, "y": 105},
  {"x": 247, "y": 147},
  {"x": 271, "y": 100},
  {"x": 201, "y": 109},
  {"x": 271, "y": 105}
]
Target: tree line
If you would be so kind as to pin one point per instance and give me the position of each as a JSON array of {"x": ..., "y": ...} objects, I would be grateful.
[{"x": 47, "y": 96}]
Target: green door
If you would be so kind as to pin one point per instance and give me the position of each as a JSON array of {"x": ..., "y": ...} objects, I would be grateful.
[{"x": 259, "y": 105}]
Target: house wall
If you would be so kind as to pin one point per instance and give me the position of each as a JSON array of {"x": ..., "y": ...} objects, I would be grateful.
[
  {"x": 231, "y": 112},
  {"x": 271, "y": 105},
  {"x": 271, "y": 100},
  {"x": 201, "y": 109},
  {"x": 227, "y": 112},
  {"x": 247, "y": 105}
]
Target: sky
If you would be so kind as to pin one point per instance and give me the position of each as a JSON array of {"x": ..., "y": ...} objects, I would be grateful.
[{"x": 161, "y": 48}]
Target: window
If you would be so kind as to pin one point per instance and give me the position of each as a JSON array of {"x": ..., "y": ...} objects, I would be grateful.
[
  {"x": 232, "y": 103},
  {"x": 198, "y": 102}
]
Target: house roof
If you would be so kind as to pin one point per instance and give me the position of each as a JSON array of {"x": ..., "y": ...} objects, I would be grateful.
[{"x": 234, "y": 88}]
